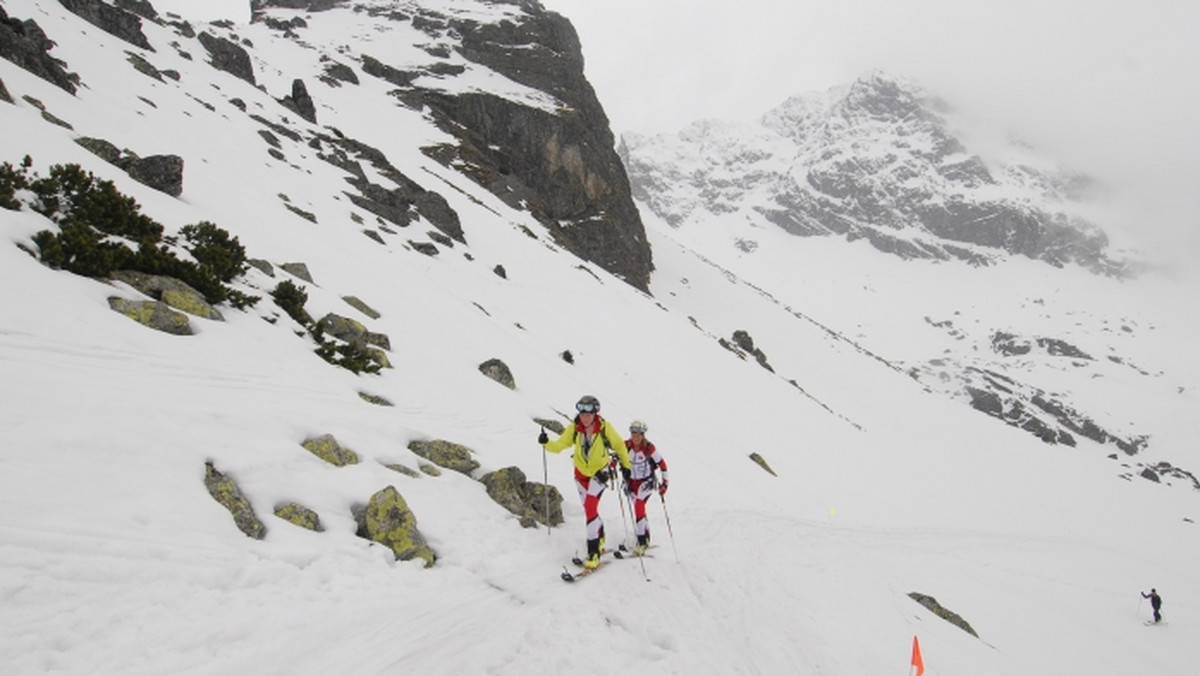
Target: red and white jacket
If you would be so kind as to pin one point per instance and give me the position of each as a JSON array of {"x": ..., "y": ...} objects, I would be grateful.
[{"x": 644, "y": 459}]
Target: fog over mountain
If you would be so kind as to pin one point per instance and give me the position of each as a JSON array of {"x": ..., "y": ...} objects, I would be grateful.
[
  {"x": 1104, "y": 90},
  {"x": 289, "y": 294}
]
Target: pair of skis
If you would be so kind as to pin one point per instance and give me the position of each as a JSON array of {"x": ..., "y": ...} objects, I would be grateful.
[{"x": 620, "y": 553}]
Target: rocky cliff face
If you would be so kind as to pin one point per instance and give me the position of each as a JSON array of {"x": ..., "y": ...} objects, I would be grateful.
[
  {"x": 553, "y": 155},
  {"x": 560, "y": 163},
  {"x": 875, "y": 160}
]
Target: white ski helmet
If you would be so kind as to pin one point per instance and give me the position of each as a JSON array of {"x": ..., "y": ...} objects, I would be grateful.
[{"x": 637, "y": 427}]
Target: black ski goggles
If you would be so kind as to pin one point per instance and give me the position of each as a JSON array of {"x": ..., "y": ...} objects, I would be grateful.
[{"x": 587, "y": 407}]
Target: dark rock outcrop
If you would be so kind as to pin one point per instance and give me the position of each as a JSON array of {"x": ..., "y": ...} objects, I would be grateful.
[
  {"x": 4, "y": 95},
  {"x": 161, "y": 172},
  {"x": 257, "y": 6},
  {"x": 25, "y": 44},
  {"x": 561, "y": 165},
  {"x": 337, "y": 73},
  {"x": 228, "y": 56},
  {"x": 400, "y": 78},
  {"x": 144, "y": 67},
  {"x": 300, "y": 102},
  {"x": 743, "y": 340},
  {"x": 399, "y": 204},
  {"x": 142, "y": 8},
  {"x": 112, "y": 20}
]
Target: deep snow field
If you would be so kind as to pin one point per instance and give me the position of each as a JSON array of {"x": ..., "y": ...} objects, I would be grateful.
[{"x": 115, "y": 560}]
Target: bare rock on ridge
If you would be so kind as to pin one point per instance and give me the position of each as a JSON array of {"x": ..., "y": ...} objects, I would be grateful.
[
  {"x": 228, "y": 56},
  {"x": 112, "y": 20},
  {"x": 26, "y": 44}
]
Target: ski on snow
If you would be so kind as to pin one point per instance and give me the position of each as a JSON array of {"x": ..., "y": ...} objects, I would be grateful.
[
  {"x": 568, "y": 577},
  {"x": 620, "y": 553}
]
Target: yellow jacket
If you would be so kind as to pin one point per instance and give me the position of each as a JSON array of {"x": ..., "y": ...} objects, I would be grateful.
[{"x": 594, "y": 459}]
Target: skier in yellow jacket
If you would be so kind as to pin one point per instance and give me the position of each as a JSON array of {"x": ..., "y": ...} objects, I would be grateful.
[{"x": 593, "y": 438}]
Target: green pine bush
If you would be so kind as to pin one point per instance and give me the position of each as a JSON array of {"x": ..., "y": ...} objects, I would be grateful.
[{"x": 101, "y": 231}]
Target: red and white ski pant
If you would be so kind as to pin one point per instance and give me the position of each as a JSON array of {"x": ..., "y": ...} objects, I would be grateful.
[
  {"x": 640, "y": 491},
  {"x": 590, "y": 489}
]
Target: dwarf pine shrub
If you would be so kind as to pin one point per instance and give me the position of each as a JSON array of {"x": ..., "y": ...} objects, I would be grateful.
[
  {"x": 291, "y": 299},
  {"x": 101, "y": 231}
]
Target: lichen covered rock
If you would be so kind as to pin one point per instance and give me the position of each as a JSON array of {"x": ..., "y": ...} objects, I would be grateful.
[
  {"x": 446, "y": 454},
  {"x": 510, "y": 489},
  {"x": 226, "y": 492},
  {"x": 362, "y": 307},
  {"x": 328, "y": 449},
  {"x": 499, "y": 372},
  {"x": 947, "y": 615},
  {"x": 299, "y": 270},
  {"x": 762, "y": 463},
  {"x": 386, "y": 519},
  {"x": 374, "y": 399},
  {"x": 154, "y": 314},
  {"x": 300, "y": 515},
  {"x": 403, "y": 469},
  {"x": 172, "y": 291}
]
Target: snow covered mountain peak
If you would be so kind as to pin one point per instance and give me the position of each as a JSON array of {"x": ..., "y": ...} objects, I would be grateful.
[{"x": 877, "y": 159}]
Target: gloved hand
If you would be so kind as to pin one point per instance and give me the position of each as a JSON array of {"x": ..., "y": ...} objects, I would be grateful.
[
  {"x": 543, "y": 439},
  {"x": 662, "y": 489},
  {"x": 626, "y": 474}
]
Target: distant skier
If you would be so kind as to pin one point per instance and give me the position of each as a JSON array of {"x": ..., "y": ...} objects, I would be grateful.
[
  {"x": 1155, "y": 604},
  {"x": 641, "y": 481},
  {"x": 593, "y": 438}
]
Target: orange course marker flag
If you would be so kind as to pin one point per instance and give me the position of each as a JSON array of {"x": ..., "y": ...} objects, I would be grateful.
[{"x": 917, "y": 662}]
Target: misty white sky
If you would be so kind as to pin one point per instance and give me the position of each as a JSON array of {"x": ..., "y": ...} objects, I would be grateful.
[{"x": 1109, "y": 87}]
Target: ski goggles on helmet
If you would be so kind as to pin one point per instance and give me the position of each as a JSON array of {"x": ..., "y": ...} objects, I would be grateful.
[{"x": 587, "y": 406}]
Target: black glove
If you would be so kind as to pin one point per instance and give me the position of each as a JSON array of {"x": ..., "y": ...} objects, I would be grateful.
[
  {"x": 542, "y": 438},
  {"x": 626, "y": 473},
  {"x": 602, "y": 476}
]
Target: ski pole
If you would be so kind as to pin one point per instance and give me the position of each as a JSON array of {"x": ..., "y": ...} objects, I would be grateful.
[
  {"x": 546, "y": 485},
  {"x": 624, "y": 520},
  {"x": 633, "y": 515},
  {"x": 671, "y": 531}
]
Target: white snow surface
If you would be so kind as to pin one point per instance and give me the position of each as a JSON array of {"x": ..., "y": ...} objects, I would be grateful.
[{"x": 114, "y": 559}]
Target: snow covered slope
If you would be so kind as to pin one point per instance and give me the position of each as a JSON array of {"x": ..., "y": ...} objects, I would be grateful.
[{"x": 115, "y": 559}]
